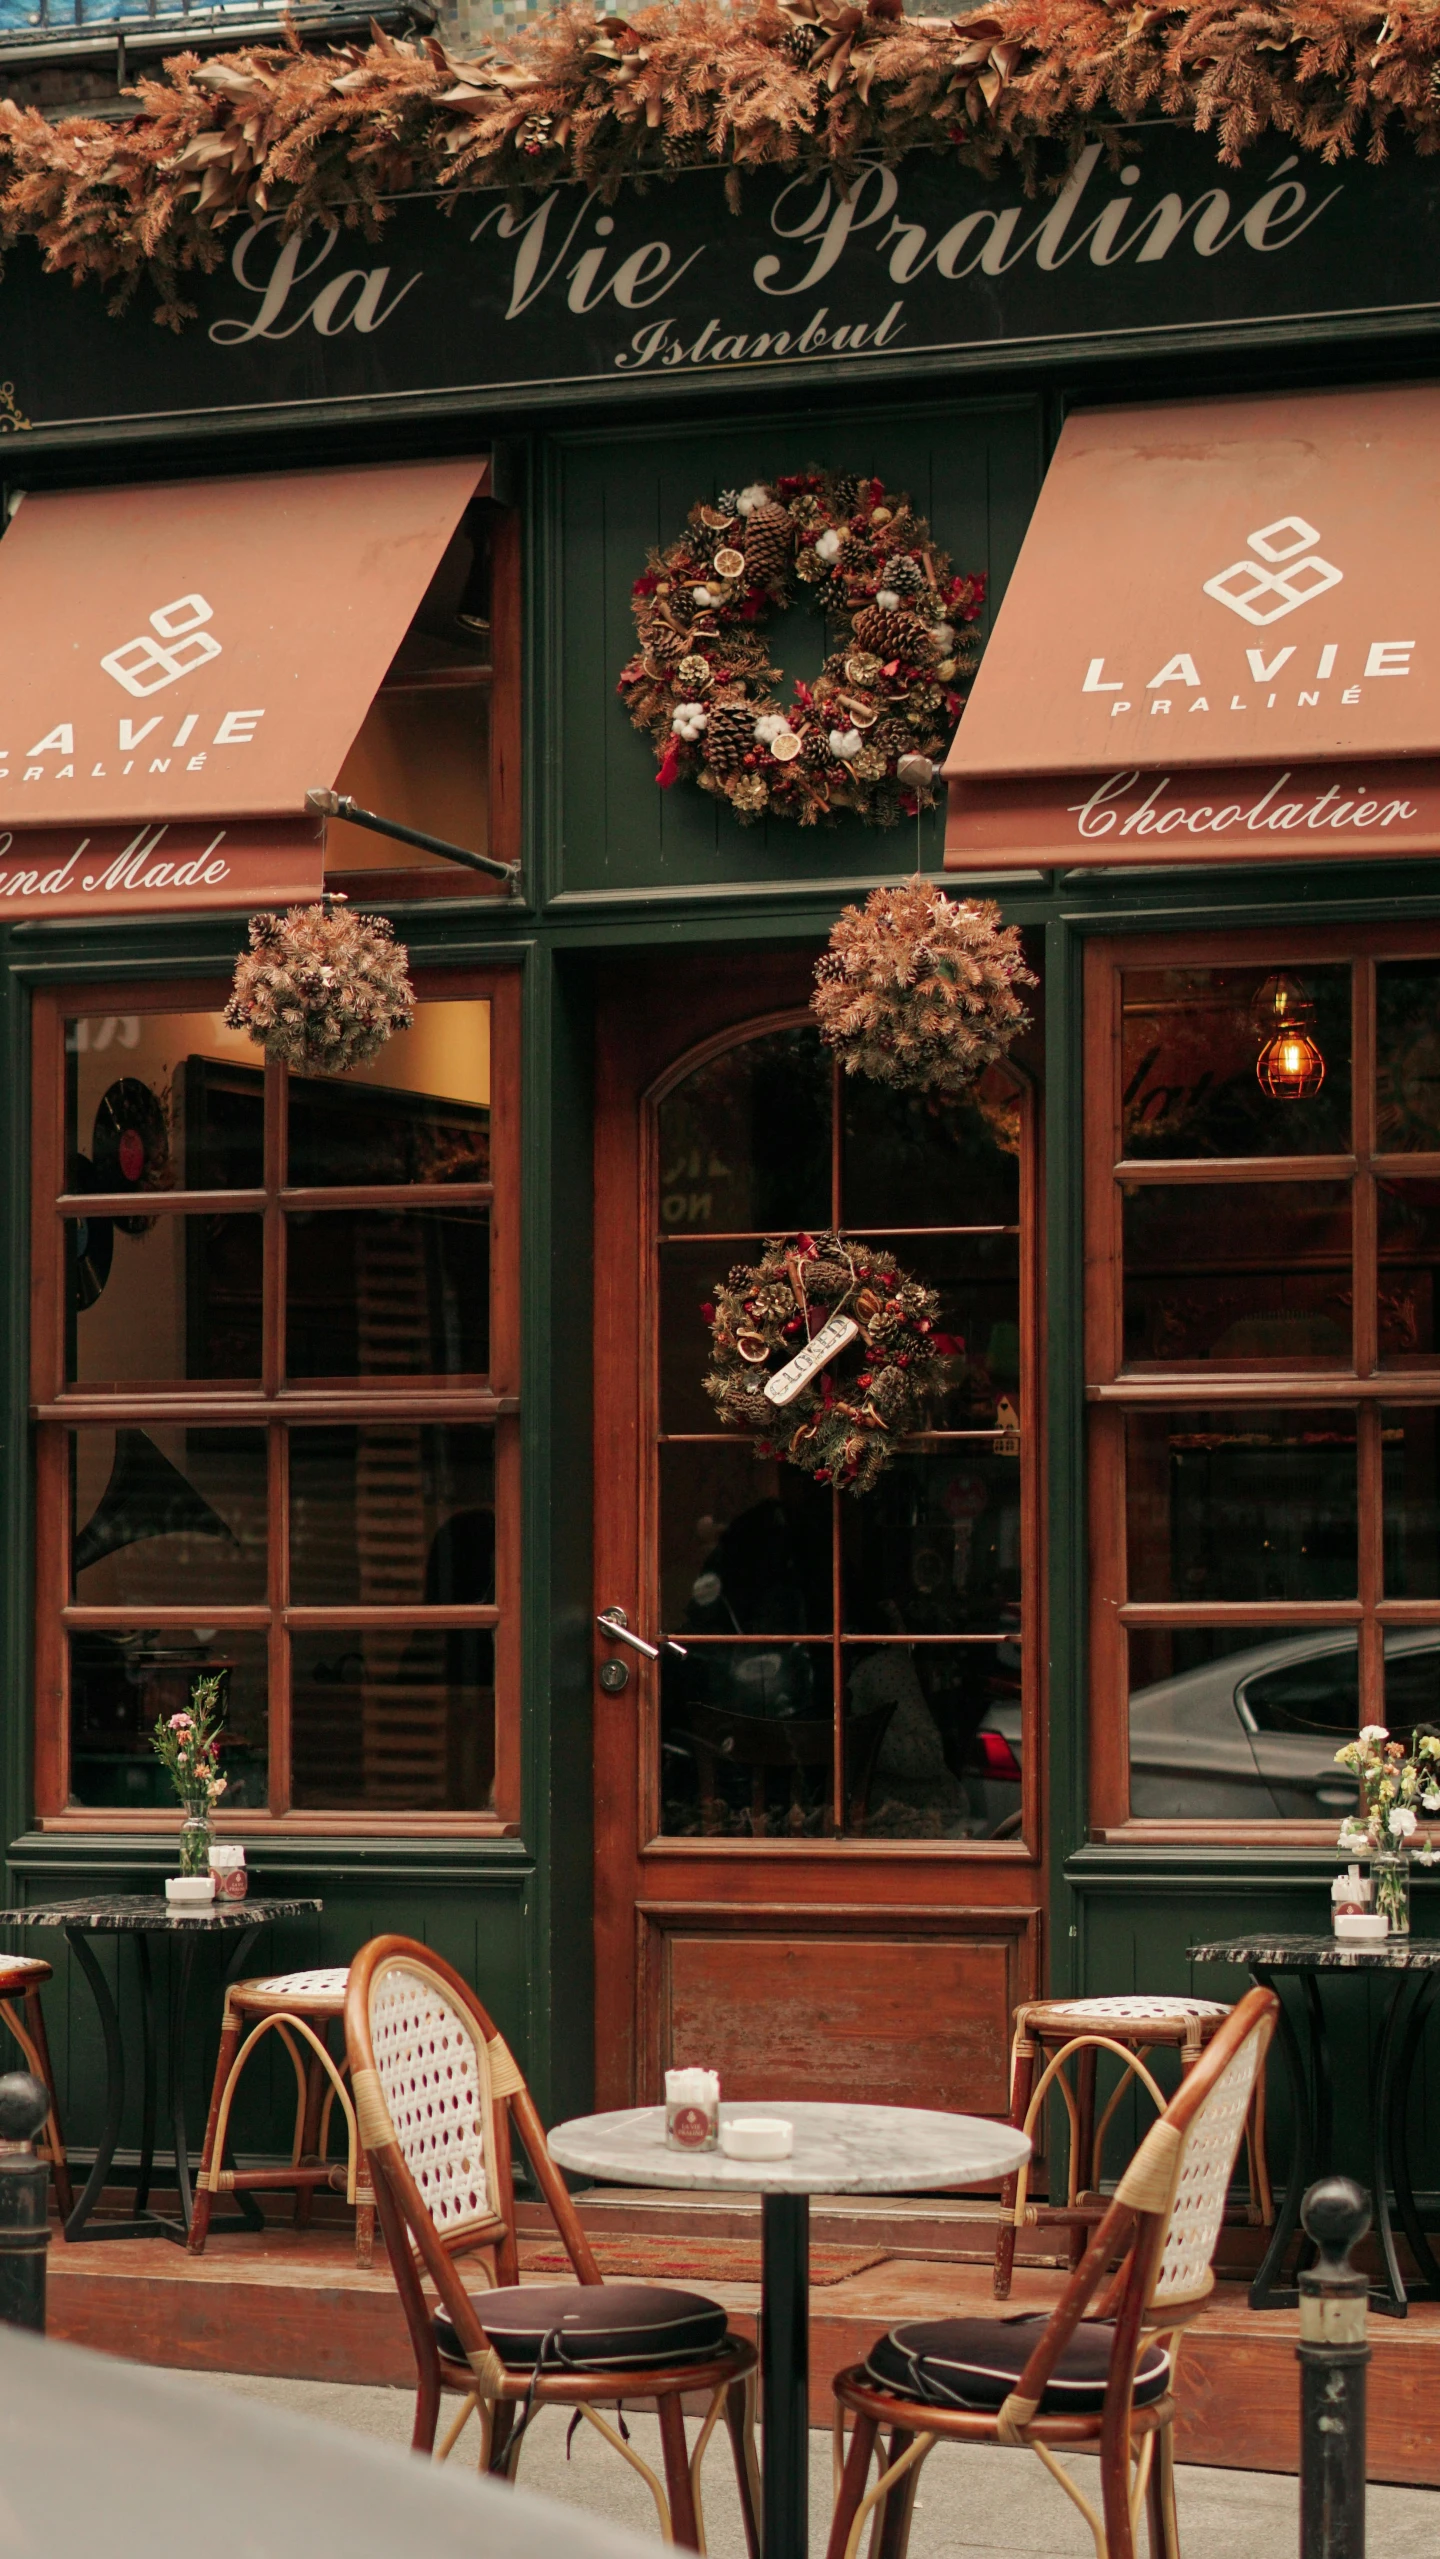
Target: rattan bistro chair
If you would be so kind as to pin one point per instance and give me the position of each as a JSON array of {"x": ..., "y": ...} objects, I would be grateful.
[
  {"x": 437, "y": 2096},
  {"x": 1077, "y": 2380},
  {"x": 22, "y": 1978},
  {"x": 1057, "y": 2044}
]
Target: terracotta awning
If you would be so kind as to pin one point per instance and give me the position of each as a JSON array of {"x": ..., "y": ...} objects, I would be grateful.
[
  {"x": 180, "y": 663},
  {"x": 1221, "y": 641}
]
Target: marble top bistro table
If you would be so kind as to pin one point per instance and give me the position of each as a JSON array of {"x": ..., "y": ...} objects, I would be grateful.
[
  {"x": 141, "y": 1916},
  {"x": 1412, "y": 1969},
  {"x": 839, "y": 2150}
]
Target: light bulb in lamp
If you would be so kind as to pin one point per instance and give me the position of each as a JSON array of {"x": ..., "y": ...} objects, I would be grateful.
[{"x": 1290, "y": 1066}]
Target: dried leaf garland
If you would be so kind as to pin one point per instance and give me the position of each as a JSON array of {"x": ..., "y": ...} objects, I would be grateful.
[
  {"x": 331, "y": 134},
  {"x": 919, "y": 990},
  {"x": 867, "y": 736},
  {"x": 322, "y": 988},
  {"x": 843, "y": 1426}
]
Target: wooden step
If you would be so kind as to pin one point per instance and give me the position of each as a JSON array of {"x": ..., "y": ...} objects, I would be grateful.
[{"x": 291, "y": 2302}]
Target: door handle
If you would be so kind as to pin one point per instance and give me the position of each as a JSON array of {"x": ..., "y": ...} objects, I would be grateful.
[{"x": 616, "y": 1624}]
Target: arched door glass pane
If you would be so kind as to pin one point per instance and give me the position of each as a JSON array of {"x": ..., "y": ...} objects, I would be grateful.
[{"x": 854, "y": 1665}]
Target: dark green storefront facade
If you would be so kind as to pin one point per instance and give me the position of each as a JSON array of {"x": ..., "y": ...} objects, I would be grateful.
[{"x": 615, "y": 873}]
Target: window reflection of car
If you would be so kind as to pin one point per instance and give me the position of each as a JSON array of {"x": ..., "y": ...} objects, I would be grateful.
[{"x": 1253, "y": 1735}]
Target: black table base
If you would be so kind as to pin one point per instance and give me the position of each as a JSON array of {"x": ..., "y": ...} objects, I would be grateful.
[
  {"x": 785, "y": 2374},
  {"x": 1307, "y": 2064},
  {"x": 145, "y": 2222}
]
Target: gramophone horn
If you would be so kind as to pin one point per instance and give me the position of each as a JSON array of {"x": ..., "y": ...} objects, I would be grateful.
[{"x": 145, "y": 1497}]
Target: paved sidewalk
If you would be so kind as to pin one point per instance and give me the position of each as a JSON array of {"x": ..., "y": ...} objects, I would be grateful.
[{"x": 971, "y": 2499}]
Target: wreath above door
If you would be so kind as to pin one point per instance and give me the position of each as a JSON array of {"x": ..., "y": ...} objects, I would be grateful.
[{"x": 867, "y": 736}]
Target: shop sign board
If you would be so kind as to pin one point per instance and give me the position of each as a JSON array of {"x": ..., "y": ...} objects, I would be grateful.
[
  {"x": 1237, "y": 813},
  {"x": 53, "y": 871},
  {"x": 529, "y": 304}
]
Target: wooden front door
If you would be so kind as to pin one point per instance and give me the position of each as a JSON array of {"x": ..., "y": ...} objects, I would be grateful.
[{"x": 817, "y": 1830}]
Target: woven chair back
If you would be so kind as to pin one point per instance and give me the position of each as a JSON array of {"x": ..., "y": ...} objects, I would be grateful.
[{"x": 1179, "y": 2178}]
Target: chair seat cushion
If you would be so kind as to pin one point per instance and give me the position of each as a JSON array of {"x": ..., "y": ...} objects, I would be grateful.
[
  {"x": 976, "y": 2363},
  {"x": 593, "y": 2327}
]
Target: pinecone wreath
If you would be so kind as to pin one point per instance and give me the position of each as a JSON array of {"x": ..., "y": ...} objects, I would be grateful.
[
  {"x": 841, "y": 1424},
  {"x": 868, "y": 734},
  {"x": 919, "y": 990},
  {"x": 321, "y": 988}
]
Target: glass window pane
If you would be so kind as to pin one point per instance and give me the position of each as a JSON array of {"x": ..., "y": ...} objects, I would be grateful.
[
  {"x": 120, "y": 1684},
  {"x": 1191, "y": 1041},
  {"x": 1241, "y": 1723},
  {"x": 421, "y": 756},
  {"x": 934, "y": 1549},
  {"x": 395, "y": 1720},
  {"x": 159, "y": 1300},
  {"x": 689, "y": 1273},
  {"x": 391, "y": 1515},
  {"x": 744, "y": 1544},
  {"x": 160, "y": 1517},
  {"x": 1237, "y": 1272},
  {"x": 1407, "y": 1056},
  {"x": 1412, "y": 1678},
  {"x": 162, "y": 1102},
  {"x": 977, "y": 1280},
  {"x": 930, "y": 1159},
  {"x": 745, "y": 1141},
  {"x": 1243, "y": 1504},
  {"x": 747, "y": 1742},
  {"x": 386, "y": 1293},
  {"x": 1408, "y": 1218},
  {"x": 419, "y": 1112},
  {"x": 932, "y": 1740},
  {"x": 1410, "y": 1446}
]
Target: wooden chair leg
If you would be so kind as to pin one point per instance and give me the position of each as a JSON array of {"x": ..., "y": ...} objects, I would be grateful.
[
  {"x": 1082, "y": 2173},
  {"x": 55, "y": 2139},
  {"x": 1163, "y": 2520},
  {"x": 230, "y": 2036},
  {"x": 671, "y": 2409},
  {"x": 898, "y": 2511},
  {"x": 1022, "y": 2081},
  {"x": 740, "y": 2419},
  {"x": 309, "y": 2129},
  {"x": 504, "y": 2427},
  {"x": 852, "y": 2484}
]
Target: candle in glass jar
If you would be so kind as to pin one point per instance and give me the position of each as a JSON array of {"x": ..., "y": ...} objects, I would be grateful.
[
  {"x": 227, "y": 1866},
  {"x": 692, "y": 2109}
]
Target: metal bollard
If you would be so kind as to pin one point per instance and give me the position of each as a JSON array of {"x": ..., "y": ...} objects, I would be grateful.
[
  {"x": 24, "y": 2202},
  {"x": 1333, "y": 2355}
]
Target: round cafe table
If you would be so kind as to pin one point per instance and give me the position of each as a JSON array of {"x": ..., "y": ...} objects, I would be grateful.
[{"x": 839, "y": 2150}]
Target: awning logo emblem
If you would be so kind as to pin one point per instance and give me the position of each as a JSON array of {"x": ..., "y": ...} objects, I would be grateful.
[
  {"x": 145, "y": 665},
  {"x": 1279, "y": 578}
]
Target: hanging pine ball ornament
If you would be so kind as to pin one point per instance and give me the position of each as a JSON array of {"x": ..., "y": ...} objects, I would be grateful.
[
  {"x": 918, "y": 989},
  {"x": 320, "y": 988}
]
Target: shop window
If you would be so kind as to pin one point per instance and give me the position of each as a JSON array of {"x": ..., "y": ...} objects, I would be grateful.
[
  {"x": 854, "y": 1668},
  {"x": 274, "y": 1364},
  {"x": 1263, "y": 1367}
]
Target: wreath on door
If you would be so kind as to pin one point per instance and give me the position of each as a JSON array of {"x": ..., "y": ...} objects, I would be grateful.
[
  {"x": 868, "y": 735},
  {"x": 828, "y": 1353}
]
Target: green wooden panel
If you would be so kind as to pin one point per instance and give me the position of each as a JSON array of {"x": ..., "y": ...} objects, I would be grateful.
[{"x": 973, "y": 469}]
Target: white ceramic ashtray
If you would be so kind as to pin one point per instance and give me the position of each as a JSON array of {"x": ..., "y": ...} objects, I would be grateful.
[
  {"x": 757, "y": 2137},
  {"x": 189, "y": 1892},
  {"x": 1366, "y": 1927}
]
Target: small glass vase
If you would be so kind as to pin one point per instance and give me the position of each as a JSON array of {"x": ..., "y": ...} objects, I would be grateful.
[
  {"x": 195, "y": 1837},
  {"x": 1390, "y": 1873}
]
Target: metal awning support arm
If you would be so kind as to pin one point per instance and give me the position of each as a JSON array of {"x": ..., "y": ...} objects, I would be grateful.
[{"x": 335, "y": 804}]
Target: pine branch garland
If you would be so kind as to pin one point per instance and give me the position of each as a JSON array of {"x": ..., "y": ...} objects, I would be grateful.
[{"x": 800, "y": 84}]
